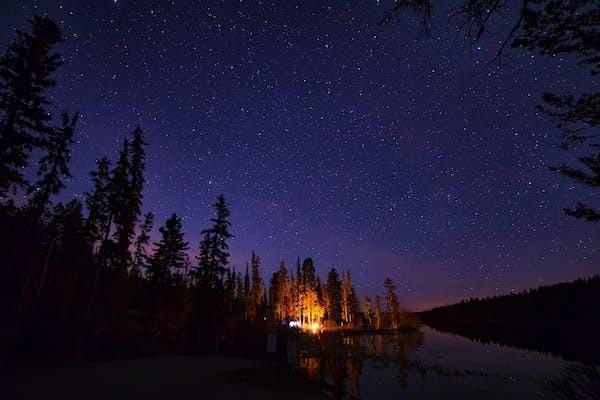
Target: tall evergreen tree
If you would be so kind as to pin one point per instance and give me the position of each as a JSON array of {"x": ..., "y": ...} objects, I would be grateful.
[
  {"x": 136, "y": 173},
  {"x": 378, "y": 317},
  {"x": 25, "y": 70},
  {"x": 67, "y": 226},
  {"x": 246, "y": 292},
  {"x": 239, "y": 286},
  {"x": 349, "y": 299},
  {"x": 214, "y": 249},
  {"x": 229, "y": 290},
  {"x": 280, "y": 293},
  {"x": 333, "y": 290},
  {"x": 54, "y": 164},
  {"x": 140, "y": 253},
  {"x": 257, "y": 289},
  {"x": 353, "y": 305},
  {"x": 368, "y": 310},
  {"x": 294, "y": 314},
  {"x": 393, "y": 306},
  {"x": 206, "y": 275},
  {"x": 98, "y": 201},
  {"x": 247, "y": 282},
  {"x": 66, "y": 251},
  {"x": 120, "y": 197},
  {"x": 308, "y": 275},
  {"x": 169, "y": 254}
]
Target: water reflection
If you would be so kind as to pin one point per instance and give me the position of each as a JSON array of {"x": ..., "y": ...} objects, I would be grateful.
[
  {"x": 430, "y": 364},
  {"x": 576, "y": 382},
  {"x": 338, "y": 359}
]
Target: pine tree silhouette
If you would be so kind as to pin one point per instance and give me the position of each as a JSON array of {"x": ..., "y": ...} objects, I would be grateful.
[
  {"x": 140, "y": 253},
  {"x": 120, "y": 197},
  {"x": 169, "y": 254},
  {"x": 247, "y": 282},
  {"x": 333, "y": 290},
  {"x": 53, "y": 165},
  {"x": 136, "y": 173},
  {"x": 279, "y": 292},
  {"x": 98, "y": 201},
  {"x": 214, "y": 256},
  {"x": 368, "y": 310},
  {"x": 257, "y": 289},
  {"x": 25, "y": 70},
  {"x": 393, "y": 306}
]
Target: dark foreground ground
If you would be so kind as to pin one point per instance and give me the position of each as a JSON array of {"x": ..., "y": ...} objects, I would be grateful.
[{"x": 156, "y": 378}]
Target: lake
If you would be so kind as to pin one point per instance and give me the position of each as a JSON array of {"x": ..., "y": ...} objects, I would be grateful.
[{"x": 429, "y": 364}]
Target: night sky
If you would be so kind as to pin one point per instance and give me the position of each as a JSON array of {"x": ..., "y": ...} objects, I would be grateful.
[{"x": 331, "y": 136}]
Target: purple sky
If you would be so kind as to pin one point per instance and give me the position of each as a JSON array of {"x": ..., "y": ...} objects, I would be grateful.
[{"x": 331, "y": 137}]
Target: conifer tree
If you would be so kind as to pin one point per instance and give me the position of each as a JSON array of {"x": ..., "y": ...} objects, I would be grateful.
[
  {"x": 298, "y": 275},
  {"x": 319, "y": 290},
  {"x": 257, "y": 289},
  {"x": 309, "y": 278},
  {"x": 169, "y": 254},
  {"x": 136, "y": 171},
  {"x": 203, "y": 275},
  {"x": 120, "y": 192},
  {"x": 140, "y": 253},
  {"x": 246, "y": 292},
  {"x": 353, "y": 304},
  {"x": 229, "y": 290},
  {"x": 214, "y": 255},
  {"x": 98, "y": 201},
  {"x": 273, "y": 294},
  {"x": 368, "y": 310},
  {"x": 378, "y": 317},
  {"x": 53, "y": 165},
  {"x": 247, "y": 282},
  {"x": 294, "y": 303},
  {"x": 25, "y": 70},
  {"x": 333, "y": 290},
  {"x": 280, "y": 293},
  {"x": 67, "y": 227},
  {"x": 393, "y": 306},
  {"x": 66, "y": 249},
  {"x": 349, "y": 299},
  {"x": 239, "y": 286}
]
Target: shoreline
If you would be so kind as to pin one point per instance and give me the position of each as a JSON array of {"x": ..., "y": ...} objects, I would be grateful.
[{"x": 172, "y": 377}]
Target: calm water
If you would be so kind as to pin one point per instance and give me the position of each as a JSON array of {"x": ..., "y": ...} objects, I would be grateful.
[{"x": 433, "y": 365}]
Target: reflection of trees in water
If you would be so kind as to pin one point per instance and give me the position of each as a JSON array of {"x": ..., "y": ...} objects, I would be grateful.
[
  {"x": 338, "y": 359},
  {"x": 332, "y": 358},
  {"x": 405, "y": 343},
  {"x": 576, "y": 382}
]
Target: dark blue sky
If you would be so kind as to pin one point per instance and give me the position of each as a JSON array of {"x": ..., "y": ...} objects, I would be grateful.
[{"x": 331, "y": 137}]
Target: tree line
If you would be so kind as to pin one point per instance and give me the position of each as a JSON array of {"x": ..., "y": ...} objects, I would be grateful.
[
  {"x": 559, "y": 319},
  {"x": 84, "y": 275},
  {"x": 303, "y": 297}
]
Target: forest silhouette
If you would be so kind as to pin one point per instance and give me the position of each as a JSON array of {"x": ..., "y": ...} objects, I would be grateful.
[
  {"x": 83, "y": 278},
  {"x": 559, "y": 319}
]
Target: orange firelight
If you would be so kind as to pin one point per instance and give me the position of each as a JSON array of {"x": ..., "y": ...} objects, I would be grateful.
[{"x": 314, "y": 327}]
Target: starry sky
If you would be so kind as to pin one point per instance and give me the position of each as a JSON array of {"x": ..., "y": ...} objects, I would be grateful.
[{"x": 363, "y": 146}]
